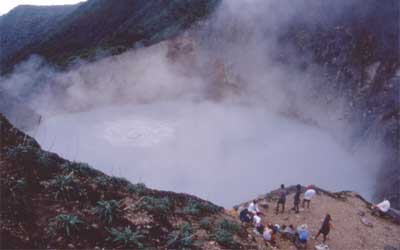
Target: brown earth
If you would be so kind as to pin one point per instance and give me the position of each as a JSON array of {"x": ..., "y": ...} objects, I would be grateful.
[{"x": 349, "y": 231}]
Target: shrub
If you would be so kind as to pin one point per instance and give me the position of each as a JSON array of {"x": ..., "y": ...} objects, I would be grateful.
[
  {"x": 102, "y": 181},
  {"x": 119, "y": 181},
  {"x": 80, "y": 168},
  {"x": 156, "y": 205},
  {"x": 205, "y": 223},
  {"x": 127, "y": 237},
  {"x": 195, "y": 207},
  {"x": 139, "y": 188},
  {"x": 191, "y": 208},
  {"x": 65, "y": 222},
  {"x": 224, "y": 232},
  {"x": 230, "y": 226},
  {"x": 224, "y": 238},
  {"x": 181, "y": 238},
  {"x": 106, "y": 210},
  {"x": 64, "y": 187}
]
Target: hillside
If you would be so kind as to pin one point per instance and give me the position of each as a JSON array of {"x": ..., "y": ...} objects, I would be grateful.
[
  {"x": 95, "y": 27},
  {"x": 49, "y": 202}
]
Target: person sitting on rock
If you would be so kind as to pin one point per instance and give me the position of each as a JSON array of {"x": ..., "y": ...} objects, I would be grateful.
[
  {"x": 282, "y": 199},
  {"x": 288, "y": 232},
  {"x": 256, "y": 220},
  {"x": 245, "y": 216},
  {"x": 308, "y": 195},
  {"x": 253, "y": 207},
  {"x": 269, "y": 234},
  {"x": 325, "y": 228},
  {"x": 381, "y": 208},
  {"x": 302, "y": 237}
]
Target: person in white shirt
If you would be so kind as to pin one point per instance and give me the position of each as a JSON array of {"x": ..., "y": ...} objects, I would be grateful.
[
  {"x": 256, "y": 220},
  {"x": 308, "y": 195},
  {"x": 253, "y": 207},
  {"x": 381, "y": 208}
]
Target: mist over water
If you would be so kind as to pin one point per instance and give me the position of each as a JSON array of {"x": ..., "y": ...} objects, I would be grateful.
[
  {"x": 213, "y": 113},
  {"x": 226, "y": 154}
]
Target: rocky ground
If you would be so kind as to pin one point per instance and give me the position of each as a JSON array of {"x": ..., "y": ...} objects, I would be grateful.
[{"x": 347, "y": 210}]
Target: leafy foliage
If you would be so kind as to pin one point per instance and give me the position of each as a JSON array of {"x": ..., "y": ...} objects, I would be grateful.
[
  {"x": 65, "y": 222},
  {"x": 230, "y": 226},
  {"x": 205, "y": 223},
  {"x": 139, "y": 188},
  {"x": 224, "y": 232},
  {"x": 181, "y": 238},
  {"x": 118, "y": 181},
  {"x": 80, "y": 168},
  {"x": 156, "y": 205},
  {"x": 64, "y": 187},
  {"x": 102, "y": 181},
  {"x": 107, "y": 210},
  {"x": 195, "y": 207},
  {"x": 127, "y": 237}
]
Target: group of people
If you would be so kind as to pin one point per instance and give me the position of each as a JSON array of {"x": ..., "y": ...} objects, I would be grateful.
[
  {"x": 308, "y": 195},
  {"x": 300, "y": 235}
]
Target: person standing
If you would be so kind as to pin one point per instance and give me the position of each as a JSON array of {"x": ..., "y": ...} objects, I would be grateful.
[
  {"x": 325, "y": 227},
  {"x": 308, "y": 195},
  {"x": 297, "y": 199},
  {"x": 282, "y": 199}
]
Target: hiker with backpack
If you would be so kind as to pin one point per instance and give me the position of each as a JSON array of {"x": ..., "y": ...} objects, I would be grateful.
[
  {"x": 297, "y": 199},
  {"x": 325, "y": 227},
  {"x": 308, "y": 195},
  {"x": 282, "y": 199}
]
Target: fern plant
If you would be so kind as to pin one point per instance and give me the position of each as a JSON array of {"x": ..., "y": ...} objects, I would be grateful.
[
  {"x": 181, "y": 238},
  {"x": 65, "y": 222},
  {"x": 107, "y": 210},
  {"x": 127, "y": 237},
  {"x": 64, "y": 187}
]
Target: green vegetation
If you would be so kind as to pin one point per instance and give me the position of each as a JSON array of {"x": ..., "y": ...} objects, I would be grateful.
[
  {"x": 224, "y": 232},
  {"x": 79, "y": 168},
  {"x": 102, "y": 181},
  {"x": 139, "y": 188},
  {"x": 67, "y": 223},
  {"x": 119, "y": 181},
  {"x": 127, "y": 237},
  {"x": 181, "y": 238},
  {"x": 160, "y": 206},
  {"x": 205, "y": 223},
  {"x": 107, "y": 210},
  {"x": 64, "y": 187},
  {"x": 195, "y": 207}
]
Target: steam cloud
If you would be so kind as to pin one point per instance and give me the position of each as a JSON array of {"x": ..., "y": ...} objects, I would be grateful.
[{"x": 213, "y": 112}]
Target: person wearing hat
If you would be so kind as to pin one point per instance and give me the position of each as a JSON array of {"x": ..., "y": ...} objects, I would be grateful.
[{"x": 302, "y": 236}]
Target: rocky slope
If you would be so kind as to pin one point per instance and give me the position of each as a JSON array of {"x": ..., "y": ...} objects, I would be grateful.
[
  {"x": 93, "y": 28},
  {"x": 27, "y": 24},
  {"x": 49, "y": 202},
  {"x": 348, "y": 211}
]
